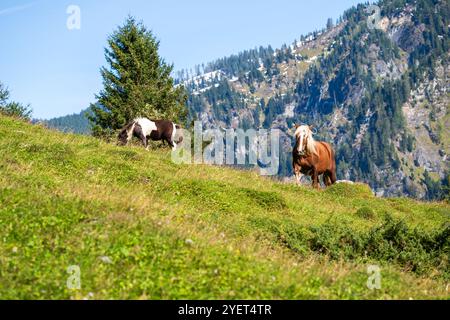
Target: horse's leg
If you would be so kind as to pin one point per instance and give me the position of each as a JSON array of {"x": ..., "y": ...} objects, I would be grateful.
[
  {"x": 140, "y": 134},
  {"x": 164, "y": 140},
  {"x": 145, "y": 142},
  {"x": 298, "y": 174},
  {"x": 333, "y": 177},
  {"x": 172, "y": 144},
  {"x": 327, "y": 178},
  {"x": 315, "y": 178},
  {"x": 329, "y": 182}
]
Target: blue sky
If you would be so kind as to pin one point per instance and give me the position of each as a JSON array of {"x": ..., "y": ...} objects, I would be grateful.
[{"x": 56, "y": 70}]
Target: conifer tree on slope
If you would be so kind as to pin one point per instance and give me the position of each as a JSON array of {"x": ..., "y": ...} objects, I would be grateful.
[
  {"x": 138, "y": 82},
  {"x": 13, "y": 109}
]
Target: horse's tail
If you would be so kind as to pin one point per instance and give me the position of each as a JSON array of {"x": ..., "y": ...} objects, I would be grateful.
[{"x": 333, "y": 164}]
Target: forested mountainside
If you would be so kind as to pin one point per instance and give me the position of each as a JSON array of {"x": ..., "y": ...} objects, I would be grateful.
[
  {"x": 75, "y": 123},
  {"x": 378, "y": 94}
]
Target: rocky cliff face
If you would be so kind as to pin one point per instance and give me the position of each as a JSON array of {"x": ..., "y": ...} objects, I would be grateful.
[{"x": 427, "y": 117}]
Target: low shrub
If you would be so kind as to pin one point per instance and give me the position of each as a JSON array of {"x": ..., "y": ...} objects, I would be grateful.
[
  {"x": 392, "y": 241},
  {"x": 365, "y": 213}
]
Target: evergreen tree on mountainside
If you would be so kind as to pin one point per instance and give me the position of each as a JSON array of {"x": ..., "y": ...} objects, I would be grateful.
[
  {"x": 138, "y": 82},
  {"x": 330, "y": 24}
]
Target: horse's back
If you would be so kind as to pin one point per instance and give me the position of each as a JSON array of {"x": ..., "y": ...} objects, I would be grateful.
[
  {"x": 147, "y": 125},
  {"x": 326, "y": 152},
  {"x": 325, "y": 148}
]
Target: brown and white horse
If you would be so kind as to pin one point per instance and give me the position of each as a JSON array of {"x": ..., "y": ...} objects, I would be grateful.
[
  {"x": 158, "y": 130},
  {"x": 313, "y": 158}
]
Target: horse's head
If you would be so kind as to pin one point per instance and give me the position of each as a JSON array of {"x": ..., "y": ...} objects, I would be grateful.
[
  {"x": 125, "y": 134},
  {"x": 122, "y": 139},
  {"x": 304, "y": 140}
]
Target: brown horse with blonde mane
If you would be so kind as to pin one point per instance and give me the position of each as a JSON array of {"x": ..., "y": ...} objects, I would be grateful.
[{"x": 313, "y": 158}]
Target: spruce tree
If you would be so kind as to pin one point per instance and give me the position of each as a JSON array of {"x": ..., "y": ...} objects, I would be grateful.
[
  {"x": 137, "y": 82},
  {"x": 330, "y": 24}
]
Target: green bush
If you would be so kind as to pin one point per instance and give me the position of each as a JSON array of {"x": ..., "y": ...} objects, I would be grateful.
[
  {"x": 392, "y": 241},
  {"x": 266, "y": 200},
  {"x": 365, "y": 213},
  {"x": 350, "y": 190}
]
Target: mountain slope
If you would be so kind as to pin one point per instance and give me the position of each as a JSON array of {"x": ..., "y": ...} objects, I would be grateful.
[
  {"x": 360, "y": 87},
  {"x": 139, "y": 226}
]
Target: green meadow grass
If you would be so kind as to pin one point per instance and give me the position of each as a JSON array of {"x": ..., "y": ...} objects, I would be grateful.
[{"x": 141, "y": 227}]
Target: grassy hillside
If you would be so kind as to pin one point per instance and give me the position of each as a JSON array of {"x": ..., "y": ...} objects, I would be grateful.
[{"x": 141, "y": 227}]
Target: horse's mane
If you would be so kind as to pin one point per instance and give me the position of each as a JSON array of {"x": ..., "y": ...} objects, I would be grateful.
[{"x": 311, "y": 145}]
